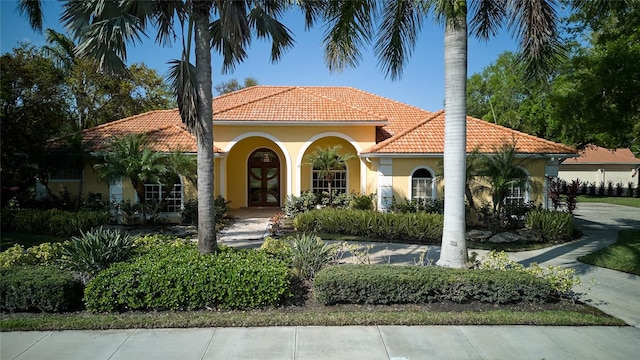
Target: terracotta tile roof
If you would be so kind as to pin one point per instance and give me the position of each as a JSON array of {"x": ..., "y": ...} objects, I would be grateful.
[
  {"x": 593, "y": 154},
  {"x": 427, "y": 136},
  {"x": 164, "y": 128},
  {"x": 400, "y": 128},
  {"x": 311, "y": 104}
]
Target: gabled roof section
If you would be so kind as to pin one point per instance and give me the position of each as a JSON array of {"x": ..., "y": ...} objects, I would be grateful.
[
  {"x": 427, "y": 137},
  {"x": 593, "y": 154},
  {"x": 297, "y": 104}
]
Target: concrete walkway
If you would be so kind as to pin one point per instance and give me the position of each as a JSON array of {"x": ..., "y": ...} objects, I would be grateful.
[{"x": 614, "y": 292}]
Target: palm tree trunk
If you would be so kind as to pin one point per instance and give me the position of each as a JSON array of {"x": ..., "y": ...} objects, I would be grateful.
[
  {"x": 206, "y": 211},
  {"x": 454, "y": 247}
]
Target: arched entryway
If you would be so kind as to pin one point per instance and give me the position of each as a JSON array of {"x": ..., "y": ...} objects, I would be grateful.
[{"x": 263, "y": 178}]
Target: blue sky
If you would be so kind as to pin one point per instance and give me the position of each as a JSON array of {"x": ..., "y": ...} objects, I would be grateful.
[{"x": 421, "y": 85}]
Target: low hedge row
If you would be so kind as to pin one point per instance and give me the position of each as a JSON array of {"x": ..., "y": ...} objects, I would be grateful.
[
  {"x": 554, "y": 226},
  {"x": 52, "y": 222},
  {"x": 421, "y": 227},
  {"x": 178, "y": 278},
  {"x": 38, "y": 288},
  {"x": 388, "y": 284}
]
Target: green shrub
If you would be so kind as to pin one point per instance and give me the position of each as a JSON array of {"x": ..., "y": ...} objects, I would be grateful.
[
  {"x": 44, "y": 254},
  {"x": 417, "y": 205},
  {"x": 96, "y": 250},
  {"x": 179, "y": 278},
  {"x": 277, "y": 248},
  {"x": 362, "y": 202},
  {"x": 554, "y": 226},
  {"x": 561, "y": 280},
  {"x": 38, "y": 288},
  {"x": 391, "y": 284},
  {"x": 418, "y": 227},
  {"x": 295, "y": 205},
  {"x": 309, "y": 254},
  {"x": 52, "y": 222}
]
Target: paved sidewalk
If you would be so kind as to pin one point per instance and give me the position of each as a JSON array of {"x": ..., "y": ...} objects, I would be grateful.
[{"x": 333, "y": 343}]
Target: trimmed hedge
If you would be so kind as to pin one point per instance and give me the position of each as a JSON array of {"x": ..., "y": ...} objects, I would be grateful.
[
  {"x": 179, "y": 278},
  {"x": 421, "y": 227},
  {"x": 389, "y": 284},
  {"x": 52, "y": 222},
  {"x": 38, "y": 288}
]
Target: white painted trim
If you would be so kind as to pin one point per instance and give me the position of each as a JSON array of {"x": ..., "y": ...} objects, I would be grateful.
[
  {"x": 280, "y": 144},
  {"x": 385, "y": 183},
  {"x": 313, "y": 139},
  {"x": 301, "y": 123},
  {"x": 433, "y": 181}
]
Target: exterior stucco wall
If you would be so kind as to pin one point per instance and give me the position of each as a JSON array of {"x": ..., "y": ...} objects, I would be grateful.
[{"x": 598, "y": 173}]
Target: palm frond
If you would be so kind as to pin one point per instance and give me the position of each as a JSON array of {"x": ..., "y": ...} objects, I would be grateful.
[
  {"x": 350, "y": 26},
  {"x": 264, "y": 21},
  {"x": 165, "y": 13},
  {"x": 487, "y": 19},
  {"x": 104, "y": 28},
  {"x": 61, "y": 49},
  {"x": 535, "y": 25},
  {"x": 312, "y": 10},
  {"x": 32, "y": 9},
  {"x": 231, "y": 34},
  {"x": 401, "y": 23},
  {"x": 182, "y": 76}
]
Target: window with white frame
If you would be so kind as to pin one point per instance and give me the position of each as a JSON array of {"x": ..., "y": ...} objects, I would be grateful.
[
  {"x": 158, "y": 192},
  {"x": 338, "y": 185},
  {"x": 516, "y": 194},
  {"x": 422, "y": 184}
]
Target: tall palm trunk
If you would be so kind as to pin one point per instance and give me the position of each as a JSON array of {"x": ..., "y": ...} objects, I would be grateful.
[
  {"x": 206, "y": 211},
  {"x": 454, "y": 247}
]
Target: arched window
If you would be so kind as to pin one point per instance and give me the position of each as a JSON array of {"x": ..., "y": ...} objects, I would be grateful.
[
  {"x": 422, "y": 184},
  {"x": 516, "y": 193}
]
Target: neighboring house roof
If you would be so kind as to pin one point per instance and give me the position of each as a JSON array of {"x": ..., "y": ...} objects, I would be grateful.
[
  {"x": 401, "y": 128},
  {"x": 593, "y": 154},
  {"x": 427, "y": 137}
]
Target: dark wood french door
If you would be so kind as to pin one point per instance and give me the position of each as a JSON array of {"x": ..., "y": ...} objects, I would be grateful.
[{"x": 264, "y": 178}]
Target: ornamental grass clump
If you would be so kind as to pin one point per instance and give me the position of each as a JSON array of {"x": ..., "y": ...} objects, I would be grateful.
[
  {"x": 95, "y": 251},
  {"x": 309, "y": 254},
  {"x": 554, "y": 226}
]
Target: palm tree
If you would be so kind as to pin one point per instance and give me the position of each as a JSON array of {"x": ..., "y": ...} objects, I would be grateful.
[
  {"x": 105, "y": 28},
  {"x": 131, "y": 157},
  {"x": 326, "y": 161},
  {"x": 534, "y": 23},
  {"x": 502, "y": 170}
]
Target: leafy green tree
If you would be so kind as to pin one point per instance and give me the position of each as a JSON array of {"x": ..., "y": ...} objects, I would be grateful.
[
  {"x": 104, "y": 29},
  {"x": 534, "y": 23},
  {"x": 33, "y": 109},
  {"x": 99, "y": 96},
  {"x": 502, "y": 94},
  {"x": 232, "y": 85},
  {"x": 326, "y": 161}
]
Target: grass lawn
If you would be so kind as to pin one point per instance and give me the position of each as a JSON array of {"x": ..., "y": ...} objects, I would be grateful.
[
  {"x": 626, "y": 201},
  {"x": 561, "y": 314},
  {"x": 26, "y": 240},
  {"x": 624, "y": 255}
]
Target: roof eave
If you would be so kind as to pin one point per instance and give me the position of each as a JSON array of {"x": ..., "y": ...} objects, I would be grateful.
[{"x": 300, "y": 122}]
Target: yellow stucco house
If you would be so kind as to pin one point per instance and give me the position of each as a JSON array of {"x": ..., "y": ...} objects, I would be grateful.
[{"x": 263, "y": 133}]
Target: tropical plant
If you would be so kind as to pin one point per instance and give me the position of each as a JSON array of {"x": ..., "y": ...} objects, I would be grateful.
[
  {"x": 309, "y": 254},
  {"x": 534, "y": 23},
  {"x": 502, "y": 170},
  {"x": 96, "y": 250},
  {"x": 104, "y": 30},
  {"x": 130, "y": 157},
  {"x": 326, "y": 161}
]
